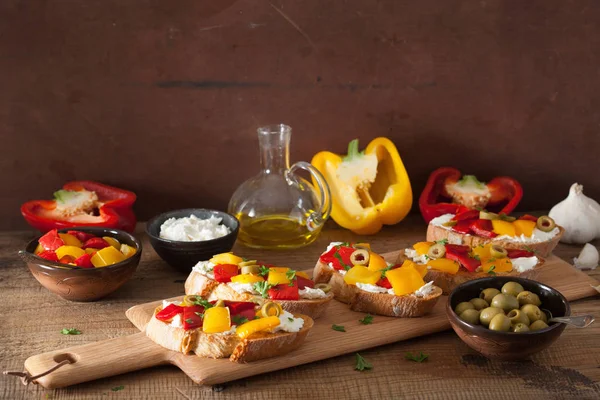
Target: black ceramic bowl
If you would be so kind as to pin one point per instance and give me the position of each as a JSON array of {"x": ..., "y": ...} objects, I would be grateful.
[
  {"x": 184, "y": 255},
  {"x": 83, "y": 284},
  {"x": 507, "y": 345}
]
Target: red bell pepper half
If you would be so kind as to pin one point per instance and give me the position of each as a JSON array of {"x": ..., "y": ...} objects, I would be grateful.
[
  {"x": 112, "y": 210},
  {"x": 170, "y": 311},
  {"x": 284, "y": 291},
  {"x": 339, "y": 257},
  {"x": 434, "y": 201},
  {"x": 224, "y": 272}
]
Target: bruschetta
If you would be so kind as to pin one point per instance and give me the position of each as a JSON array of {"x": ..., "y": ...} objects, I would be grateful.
[
  {"x": 228, "y": 277},
  {"x": 241, "y": 331},
  {"x": 449, "y": 265},
  {"x": 364, "y": 280},
  {"x": 473, "y": 228}
]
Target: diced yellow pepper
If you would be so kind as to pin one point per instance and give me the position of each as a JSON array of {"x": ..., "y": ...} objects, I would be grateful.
[
  {"x": 503, "y": 227},
  {"x": 39, "y": 248},
  {"x": 444, "y": 265},
  {"x": 90, "y": 250},
  {"x": 216, "y": 320},
  {"x": 72, "y": 251},
  {"x": 107, "y": 256},
  {"x": 376, "y": 262},
  {"x": 422, "y": 247},
  {"x": 226, "y": 258},
  {"x": 422, "y": 268},
  {"x": 127, "y": 250},
  {"x": 256, "y": 325},
  {"x": 524, "y": 227},
  {"x": 302, "y": 274},
  {"x": 482, "y": 251},
  {"x": 405, "y": 280},
  {"x": 499, "y": 264},
  {"x": 246, "y": 278},
  {"x": 276, "y": 278},
  {"x": 113, "y": 242},
  {"x": 361, "y": 274},
  {"x": 70, "y": 240},
  {"x": 279, "y": 269}
]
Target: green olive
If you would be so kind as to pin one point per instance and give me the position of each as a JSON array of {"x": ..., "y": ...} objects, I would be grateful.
[
  {"x": 497, "y": 251},
  {"x": 488, "y": 294},
  {"x": 360, "y": 257},
  {"x": 326, "y": 287},
  {"x": 470, "y": 316},
  {"x": 465, "y": 305},
  {"x": 538, "y": 325},
  {"x": 532, "y": 311},
  {"x": 479, "y": 304},
  {"x": 505, "y": 302},
  {"x": 500, "y": 322},
  {"x": 270, "y": 309},
  {"x": 545, "y": 224},
  {"x": 545, "y": 315},
  {"x": 518, "y": 317},
  {"x": 526, "y": 297},
  {"x": 520, "y": 328},
  {"x": 250, "y": 269},
  {"x": 486, "y": 315},
  {"x": 488, "y": 215},
  {"x": 512, "y": 288},
  {"x": 437, "y": 251}
]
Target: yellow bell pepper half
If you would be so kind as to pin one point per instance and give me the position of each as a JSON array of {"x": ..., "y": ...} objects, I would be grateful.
[{"x": 368, "y": 189}]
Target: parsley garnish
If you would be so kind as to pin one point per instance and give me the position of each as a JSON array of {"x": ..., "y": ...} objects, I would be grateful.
[
  {"x": 417, "y": 358},
  {"x": 262, "y": 288},
  {"x": 238, "y": 319},
  {"x": 201, "y": 315},
  {"x": 290, "y": 319},
  {"x": 339, "y": 328},
  {"x": 189, "y": 321},
  {"x": 386, "y": 269},
  {"x": 117, "y": 388},
  {"x": 200, "y": 302},
  {"x": 291, "y": 275},
  {"x": 263, "y": 271},
  {"x": 368, "y": 319},
  {"x": 491, "y": 270},
  {"x": 342, "y": 263},
  {"x": 361, "y": 363},
  {"x": 476, "y": 257},
  {"x": 443, "y": 241},
  {"x": 70, "y": 331}
]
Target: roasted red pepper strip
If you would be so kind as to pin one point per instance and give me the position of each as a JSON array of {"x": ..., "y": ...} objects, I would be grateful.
[
  {"x": 284, "y": 291},
  {"x": 339, "y": 257},
  {"x": 516, "y": 253},
  {"x": 434, "y": 200},
  {"x": 468, "y": 262},
  {"x": 192, "y": 317},
  {"x": 484, "y": 228},
  {"x": 303, "y": 282},
  {"x": 170, "y": 311},
  {"x": 236, "y": 307},
  {"x": 384, "y": 282},
  {"x": 115, "y": 211},
  {"x": 466, "y": 215},
  {"x": 462, "y": 227},
  {"x": 224, "y": 272}
]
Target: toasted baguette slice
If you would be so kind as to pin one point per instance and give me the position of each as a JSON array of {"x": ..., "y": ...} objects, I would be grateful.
[
  {"x": 314, "y": 308},
  {"x": 543, "y": 249},
  {"x": 447, "y": 282},
  {"x": 375, "y": 303},
  {"x": 218, "y": 345}
]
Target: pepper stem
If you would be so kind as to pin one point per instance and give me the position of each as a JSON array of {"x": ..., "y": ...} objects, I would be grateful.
[{"x": 352, "y": 150}]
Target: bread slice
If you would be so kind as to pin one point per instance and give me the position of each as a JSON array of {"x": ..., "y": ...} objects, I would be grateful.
[
  {"x": 447, "y": 282},
  {"x": 375, "y": 303},
  {"x": 213, "y": 290},
  {"x": 218, "y": 345},
  {"x": 543, "y": 249}
]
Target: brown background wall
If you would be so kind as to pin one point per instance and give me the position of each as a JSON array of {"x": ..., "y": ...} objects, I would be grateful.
[{"x": 163, "y": 97}]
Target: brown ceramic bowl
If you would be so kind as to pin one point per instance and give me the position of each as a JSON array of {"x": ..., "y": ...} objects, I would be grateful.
[
  {"x": 83, "y": 284},
  {"x": 507, "y": 345}
]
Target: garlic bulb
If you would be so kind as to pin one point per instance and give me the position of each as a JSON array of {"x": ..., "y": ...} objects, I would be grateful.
[
  {"x": 579, "y": 215},
  {"x": 588, "y": 258}
]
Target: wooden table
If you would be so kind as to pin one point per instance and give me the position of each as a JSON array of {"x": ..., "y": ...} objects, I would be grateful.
[{"x": 32, "y": 319}]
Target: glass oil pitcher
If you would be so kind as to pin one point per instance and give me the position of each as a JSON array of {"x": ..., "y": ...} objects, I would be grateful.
[{"x": 278, "y": 209}]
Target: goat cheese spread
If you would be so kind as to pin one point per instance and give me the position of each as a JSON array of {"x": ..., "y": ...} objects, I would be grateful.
[
  {"x": 332, "y": 245},
  {"x": 523, "y": 264},
  {"x": 205, "y": 268},
  {"x": 371, "y": 288},
  {"x": 310, "y": 293},
  {"x": 231, "y": 331},
  {"x": 441, "y": 220},
  {"x": 288, "y": 323},
  {"x": 242, "y": 287},
  {"x": 176, "y": 322},
  {"x": 416, "y": 257},
  {"x": 425, "y": 290},
  {"x": 193, "y": 229}
]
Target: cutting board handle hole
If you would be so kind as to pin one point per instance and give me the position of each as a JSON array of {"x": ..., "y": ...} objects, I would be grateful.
[{"x": 71, "y": 358}]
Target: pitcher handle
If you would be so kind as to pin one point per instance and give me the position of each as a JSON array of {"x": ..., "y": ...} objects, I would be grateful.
[{"x": 323, "y": 187}]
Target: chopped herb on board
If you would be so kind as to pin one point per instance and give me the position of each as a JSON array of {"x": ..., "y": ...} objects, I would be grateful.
[
  {"x": 361, "y": 363},
  {"x": 368, "y": 319},
  {"x": 70, "y": 331},
  {"x": 417, "y": 358},
  {"x": 117, "y": 388},
  {"x": 339, "y": 328}
]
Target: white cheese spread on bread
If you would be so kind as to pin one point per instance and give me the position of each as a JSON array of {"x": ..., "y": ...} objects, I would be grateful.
[
  {"x": 288, "y": 323},
  {"x": 205, "y": 268},
  {"x": 310, "y": 293}
]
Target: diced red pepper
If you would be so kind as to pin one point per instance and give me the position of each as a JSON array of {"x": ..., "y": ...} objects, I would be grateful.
[
  {"x": 67, "y": 259},
  {"x": 236, "y": 307},
  {"x": 462, "y": 226},
  {"x": 457, "y": 248},
  {"x": 483, "y": 228},
  {"x": 468, "y": 262},
  {"x": 336, "y": 253},
  {"x": 466, "y": 215},
  {"x": 224, "y": 272},
  {"x": 192, "y": 317},
  {"x": 384, "y": 282},
  {"x": 516, "y": 253},
  {"x": 85, "y": 261},
  {"x": 82, "y": 236},
  {"x": 170, "y": 311},
  {"x": 284, "y": 291},
  {"x": 95, "y": 243},
  {"x": 303, "y": 282},
  {"x": 528, "y": 217},
  {"x": 51, "y": 240},
  {"x": 48, "y": 255}
]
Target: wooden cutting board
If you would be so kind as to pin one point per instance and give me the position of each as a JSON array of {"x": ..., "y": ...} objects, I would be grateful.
[{"x": 135, "y": 352}]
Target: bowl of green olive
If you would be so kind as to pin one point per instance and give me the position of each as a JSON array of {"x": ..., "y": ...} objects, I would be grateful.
[{"x": 506, "y": 318}]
